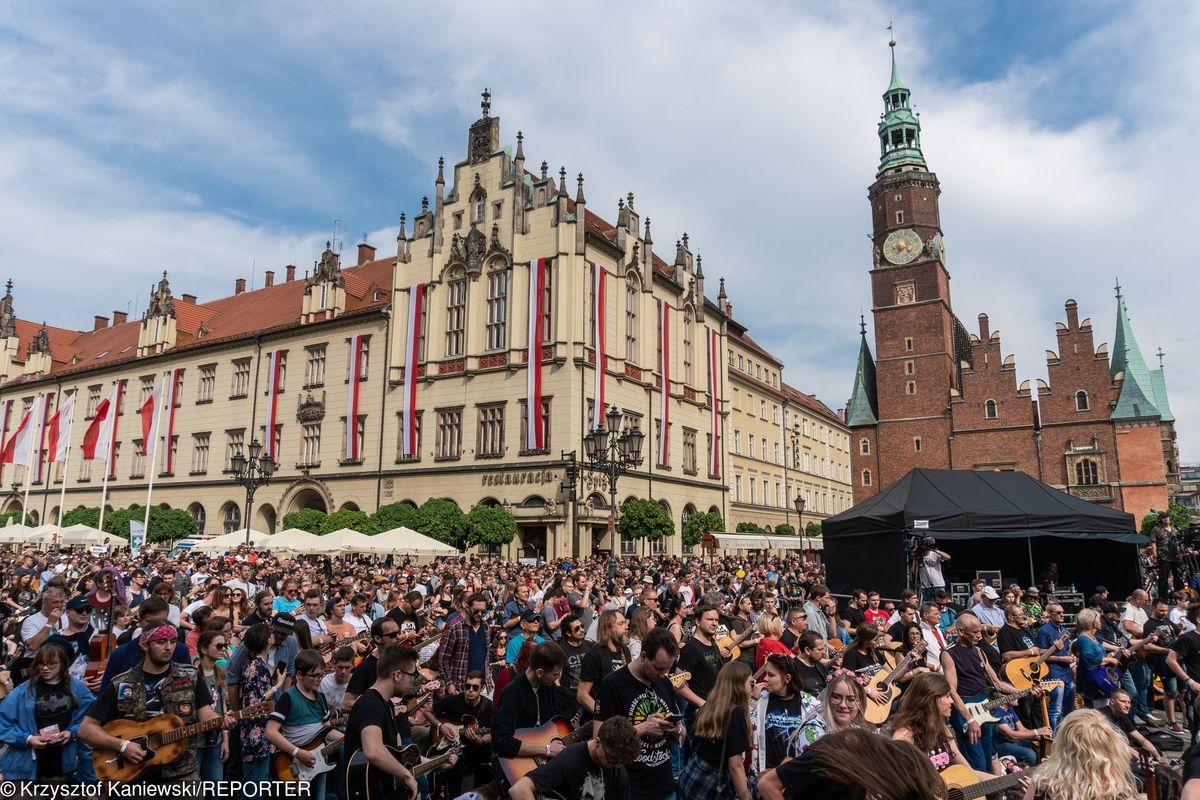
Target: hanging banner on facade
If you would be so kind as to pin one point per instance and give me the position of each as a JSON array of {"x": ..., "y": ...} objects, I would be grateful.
[
  {"x": 714, "y": 398},
  {"x": 355, "y": 356},
  {"x": 664, "y": 417},
  {"x": 412, "y": 342},
  {"x": 535, "y": 438},
  {"x": 598, "y": 328}
]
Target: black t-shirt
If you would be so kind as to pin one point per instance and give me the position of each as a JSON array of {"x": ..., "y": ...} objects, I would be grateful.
[
  {"x": 600, "y": 662},
  {"x": 735, "y": 741},
  {"x": 704, "y": 662},
  {"x": 575, "y": 654},
  {"x": 409, "y": 623},
  {"x": 789, "y": 639},
  {"x": 622, "y": 694},
  {"x": 1123, "y": 722},
  {"x": 373, "y": 709},
  {"x": 1011, "y": 638},
  {"x": 855, "y": 660},
  {"x": 992, "y": 656},
  {"x": 104, "y": 707},
  {"x": 363, "y": 676},
  {"x": 573, "y": 775},
  {"x": 1188, "y": 648},
  {"x": 814, "y": 676},
  {"x": 51, "y": 707},
  {"x": 782, "y": 719},
  {"x": 1167, "y": 631},
  {"x": 854, "y": 616}
]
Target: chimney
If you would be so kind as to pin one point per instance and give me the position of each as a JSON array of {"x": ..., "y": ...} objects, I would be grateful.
[
  {"x": 119, "y": 318},
  {"x": 984, "y": 329},
  {"x": 1072, "y": 315},
  {"x": 366, "y": 253},
  {"x": 291, "y": 273},
  {"x": 189, "y": 298},
  {"x": 239, "y": 286},
  {"x": 100, "y": 323},
  {"x": 270, "y": 278}
]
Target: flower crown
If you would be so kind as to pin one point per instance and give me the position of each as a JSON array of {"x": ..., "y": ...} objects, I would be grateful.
[{"x": 845, "y": 673}]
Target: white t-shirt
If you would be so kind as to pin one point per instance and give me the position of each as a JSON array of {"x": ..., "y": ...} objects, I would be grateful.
[
  {"x": 249, "y": 588},
  {"x": 32, "y": 624},
  {"x": 1139, "y": 617},
  {"x": 333, "y": 691},
  {"x": 931, "y": 570},
  {"x": 193, "y": 606},
  {"x": 361, "y": 624},
  {"x": 199, "y": 578},
  {"x": 1179, "y": 617}
]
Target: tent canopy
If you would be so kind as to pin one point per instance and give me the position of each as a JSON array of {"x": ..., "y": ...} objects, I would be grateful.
[
  {"x": 294, "y": 540},
  {"x": 972, "y": 514},
  {"x": 232, "y": 541},
  {"x": 764, "y": 541},
  {"x": 406, "y": 541}
]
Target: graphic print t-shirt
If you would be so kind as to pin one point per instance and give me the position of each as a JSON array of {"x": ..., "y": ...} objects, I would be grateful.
[
  {"x": 622, "y": 694},
  {"x": 784, "y": 717},
  {"x": 704, "y": 662}
]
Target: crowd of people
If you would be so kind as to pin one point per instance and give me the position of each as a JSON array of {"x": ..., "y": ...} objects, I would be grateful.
[{"x": 676, "y": 677}]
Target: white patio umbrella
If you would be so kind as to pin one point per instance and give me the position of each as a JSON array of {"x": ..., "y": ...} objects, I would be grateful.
[
  {"x": 294, "y": 540},
  {"x": 345, "y": 540},
  {"x": 234, "y": 540},
  {"x": 406, "y": 541}
]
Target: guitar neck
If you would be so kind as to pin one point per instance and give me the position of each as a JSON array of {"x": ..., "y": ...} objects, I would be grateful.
[
  {"x": 188, "y": 731},
  {"x": 899, "y": 670},
  {"x": 433, "y": 763},
  {"x": 985, "y": 788},
  {"x": 581, "y": 734}
]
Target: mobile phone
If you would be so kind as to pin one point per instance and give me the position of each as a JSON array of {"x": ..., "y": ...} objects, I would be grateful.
[{"x": 676, "y": 718}]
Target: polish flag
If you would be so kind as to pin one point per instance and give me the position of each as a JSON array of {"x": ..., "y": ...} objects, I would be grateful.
[
  {"x": 598, "y": 322},
  {"x": 60, "y": 430},
  {"x": 355, "y": 356},
  {"x": 412, "y": 341},
  {"x": 535, "y": 435},
  {"x": 149, "y": 412},
  {"x": 20, "y": 447},
  {"x": 98, "y": 438}
]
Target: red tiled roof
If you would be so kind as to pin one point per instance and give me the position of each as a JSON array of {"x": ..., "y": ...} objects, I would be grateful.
[
  {"x": 811, "y": 403},
  {"x": 236, "y": 316}
]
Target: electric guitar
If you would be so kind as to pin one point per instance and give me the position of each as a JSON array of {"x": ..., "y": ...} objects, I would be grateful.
[
  {"x": 877, "y": 711},
  {"x": 366, "y": 782},
  {"x": 1024, "y": 673},
  {"x": 981, "y": 711},
  {"x": 678, "y": 679},
  {"x": 518, "y": 767},
  {"x": 963, "y": 784},
  {"x": 164, "y": 738},
  {"x": 286, "y": 768}
]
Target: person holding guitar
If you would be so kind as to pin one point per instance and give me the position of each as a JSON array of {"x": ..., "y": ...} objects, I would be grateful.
[
  {"x": 156, "y": 686},
  {"x": 971, "y": 678},
  {"x": 374, "y": 732},
  {"x": 600, "y": 761},
  {"x": 921, "y": 720},
  {"x": 300, "y": 724},
  {"x": 1061, "y": 663},
  {"x": 466, "y": 718}
]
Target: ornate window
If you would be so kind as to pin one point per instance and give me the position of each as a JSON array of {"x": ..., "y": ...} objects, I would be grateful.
[
  {"x": 235, "y": 442},
  {"x": 241, "y": 378},
  {"x": 866, "y": 477},
  {"x": 200, "y": 453},
  {"x": 989, "y": 409},
  {"x": 456, "y": 313},
  {"x": 310, "y": 445},
  {"x": 314, "y": 366},
  {"x": 208, "y": 382},
  {"x": 689, "y": 452},
  {"x": 687, "y": 347},
  {"x": 1081, "y": 400},
  {"x": 864, "y": 447},
  {"x": 1086, "y": 472},
  {"x": 449, "y": 433},
  {"x": 632, "y": 302},
  {"x": 497, "y": 309},
  {"x": 490, "y": 442}
]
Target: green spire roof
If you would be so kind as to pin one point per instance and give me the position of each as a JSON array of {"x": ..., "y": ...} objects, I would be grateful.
[
  {"x": 863, "y": 408},
  {"x": 899, "y": 129},
  {"x": 1158, "y": 383},
  {"x": 1137, "y": 387}
]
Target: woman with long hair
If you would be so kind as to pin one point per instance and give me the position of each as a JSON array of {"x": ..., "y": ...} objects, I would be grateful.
[
  {"x": 640, "y": 624},
  {"x": 257, "y": 685},
  {"x": 239, "y": 608},
  {"x": 1090, "y": 762},
  {"x": 862, "y": 653},
  {"x": 39, "y": 720},
  {"x": 770, "y": 628},
  {"x": 677, "y": 626},
  {"x": 922, "y": 720},
  {"x": 912, "y": 638},
  {"x": 855, "y": 763},
  {"x": 717, "y": 768},
  {"x": 213, "y": 748},
  {"x": 839, "y": 707},
  {"x": 781, "y": 710}
]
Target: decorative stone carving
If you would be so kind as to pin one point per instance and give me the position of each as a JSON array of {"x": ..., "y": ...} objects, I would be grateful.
[
  {"x": 456, "y": 250},
  {"x": 161, "y": 304},
  {"x": 40, "y": 344},
  {"x": 311, "y": 409},
  {"x": 8, "y": 319},
  {"x": 906, "y": 293},
  {"x": 476, "y": 251},
  {"x": 481, "y": 141},
  {"x": 551, "y": 507},
  {"x": 327, "y": 269}
]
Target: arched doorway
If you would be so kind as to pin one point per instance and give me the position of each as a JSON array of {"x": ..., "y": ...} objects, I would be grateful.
[
  {"x": 305, "y": 494},
  {"x": 349, "y": 506},
  {"x": 688, "y": 512},
  {"x": 532, "y": 537},
  {"x": 264, "y": 518}
]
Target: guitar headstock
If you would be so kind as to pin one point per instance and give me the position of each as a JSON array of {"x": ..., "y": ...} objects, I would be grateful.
[
  {"x": 258, "y": 711},
  {"x": 679, "y": 678}
]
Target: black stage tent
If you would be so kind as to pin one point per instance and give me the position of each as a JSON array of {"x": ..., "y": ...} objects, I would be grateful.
[{"x": 1003, "y": 521}]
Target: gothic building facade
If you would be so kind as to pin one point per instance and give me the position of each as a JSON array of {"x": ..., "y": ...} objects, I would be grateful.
[{"x": 935, "y": 395}]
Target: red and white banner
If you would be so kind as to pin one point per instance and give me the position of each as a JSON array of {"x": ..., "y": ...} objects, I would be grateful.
[
  {"x": 664, "y": 343},
  {"x": 598, "y": 328},
  {"x": 174, "y": 381},
  {"x": 149, "y": 412},
  {"x": 535, "y": 438},
  {"x": 40, "y": 446},
  {"x": 355, "y": 356},
  {"x": 100, "y": 435},
  {"x": 20, "y": 447},
  {"x": 274, "y": 370},
  {"x": 8, "y": 404},
  {"x": 714, "y": 399},
  {"x": 412, "y": 342},
  {"x": 59, "y": 430}
]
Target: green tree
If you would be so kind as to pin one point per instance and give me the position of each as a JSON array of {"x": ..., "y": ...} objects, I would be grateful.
[
  {"x": 81, "y": 515},
  {"x": 644, "y": 519},
  {"x": 1180, "y": 517},
  {"x": 700, "y": 524},
  {"x": 348, "y": 518},
  {"x": 395, "y": 515},
  {"x": 785, "y": 530},
  {"x": 306, "y": 519},
  {"x": 443, "y": 520},
  {"x": 749, "y": 527},
  {"x": 491, "y": 525},
  {"x": 812, "y": 529},
  {"x": 167, "y": 525}
]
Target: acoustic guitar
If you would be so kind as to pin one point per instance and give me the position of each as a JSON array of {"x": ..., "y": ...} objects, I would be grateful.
[
  {"x": 731, "y": 643},
  {"x": 164, "y": 738},
  {"x": 365, "y": 782},
  {"x": 1023, "y": 673},
  {"x": 885, "y": 683},
  {"x": 518, "y": 767},
  {"x": 963, "y": 784}
]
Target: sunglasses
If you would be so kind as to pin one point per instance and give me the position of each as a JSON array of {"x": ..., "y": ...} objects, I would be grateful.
[
  {"x": 472, "y": 687},
  {"x": 392, "y": 635}
]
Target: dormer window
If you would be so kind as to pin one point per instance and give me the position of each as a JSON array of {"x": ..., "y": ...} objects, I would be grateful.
[
  {"x": 324, "y": 295},
  {"x": 478, "y": 210}
]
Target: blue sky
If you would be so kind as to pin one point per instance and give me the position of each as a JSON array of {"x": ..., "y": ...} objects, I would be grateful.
[{"x": 219, "y": 140}]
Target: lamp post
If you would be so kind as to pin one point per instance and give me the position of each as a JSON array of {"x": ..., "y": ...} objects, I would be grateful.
[
  {"x": 251, "y": 473},
  {"x": 613, "y": 452},
  {"x": 800, "y": 513}
]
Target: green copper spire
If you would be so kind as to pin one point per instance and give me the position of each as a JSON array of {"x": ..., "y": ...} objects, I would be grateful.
[
  {"x": 899, "y": 127},
  {"x": 863, "y": 408},
  {"x": 1137, "y": 387}
]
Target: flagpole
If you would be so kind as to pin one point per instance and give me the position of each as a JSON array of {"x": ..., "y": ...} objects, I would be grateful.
[
  {"x": 62, "y": 498},
  {"x": 104, "y": 483},
  {"x": 153, "y": 458},
  {"x": 34, "y": 412}
]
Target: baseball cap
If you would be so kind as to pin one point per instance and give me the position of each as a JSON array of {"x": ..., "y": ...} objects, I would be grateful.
[
  {"x": 79, "y": 603},
  {"x": 284, "y": 623},
  {"x": 990, "y": 593},
  {"x": 1033, "y": 590},
  {"x": 1112, "y": 608},
  {"x": 528, "y": 615}
]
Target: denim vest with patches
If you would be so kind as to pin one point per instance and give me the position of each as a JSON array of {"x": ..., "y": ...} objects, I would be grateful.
[{"x": 178, "y": 694}]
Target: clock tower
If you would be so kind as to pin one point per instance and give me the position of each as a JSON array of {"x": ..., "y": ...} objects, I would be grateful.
[{"x": 917, "y": 371}]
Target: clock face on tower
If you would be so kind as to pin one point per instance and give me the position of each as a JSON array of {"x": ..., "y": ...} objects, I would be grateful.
[{"x": 902, "y": 246}]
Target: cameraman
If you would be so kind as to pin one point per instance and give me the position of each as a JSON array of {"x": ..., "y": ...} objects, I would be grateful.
[
  {"x": 1166, "y": 552},
  {"x": 930, "y": 559}
]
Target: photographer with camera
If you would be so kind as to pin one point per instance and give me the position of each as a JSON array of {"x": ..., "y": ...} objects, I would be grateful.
[
  {"x": 1166, "y": 552},
  {"x": 930, "y": 559}
]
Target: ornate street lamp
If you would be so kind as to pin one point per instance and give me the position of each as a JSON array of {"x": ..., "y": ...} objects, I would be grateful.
[
  {"x": 800, "y": 513},
  {"x": 613, "y": 452},
  {"x": 251, "y": 473}
]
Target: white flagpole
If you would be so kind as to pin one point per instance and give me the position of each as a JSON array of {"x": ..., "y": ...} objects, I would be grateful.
[
  {"x": 153, "y": 459},
  {"x": 34, "y": 412},
  {"x": 62, "y": 498}
]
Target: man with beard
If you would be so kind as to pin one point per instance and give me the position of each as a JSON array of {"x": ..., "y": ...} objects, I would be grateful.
[
  {"x": 575, "y": 647},
  {"x": 464, "y": 644},
  {"x": 155, "y": 686},
  {"x": 407, "y": 614}
]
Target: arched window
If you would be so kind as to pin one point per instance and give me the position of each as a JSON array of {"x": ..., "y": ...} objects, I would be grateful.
[
  {"x": 1081, "y": 400},
  {"x": 197, "y": 512},
  {"x": 864, "y": 447},
  {"x": 1086, "y": 473},
  {"x": 866, "y": 477},
  {"x": 233, "y": 517},
  {"x": 456, "y": 313},
  {"x": 497, "y": 309},
  {"x": 989, "y": 409}
]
